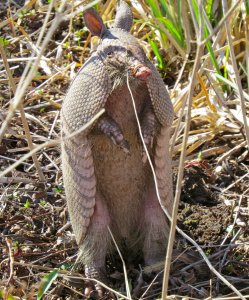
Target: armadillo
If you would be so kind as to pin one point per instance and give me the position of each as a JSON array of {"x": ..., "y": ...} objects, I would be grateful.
[{"x": 108, "y": 183}]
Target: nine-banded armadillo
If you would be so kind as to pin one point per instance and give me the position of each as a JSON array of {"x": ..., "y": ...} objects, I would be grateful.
[{"x": 107, "y": 181}]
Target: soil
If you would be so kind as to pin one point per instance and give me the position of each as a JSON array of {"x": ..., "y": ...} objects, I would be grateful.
[{"x": 34, "y": 223}]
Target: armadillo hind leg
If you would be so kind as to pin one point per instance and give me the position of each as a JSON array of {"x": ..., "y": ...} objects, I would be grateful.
[
  {"x": 155, "y": 227},
  {"x": 94, "y": 247},
  {"x": 109, "y": 127}
]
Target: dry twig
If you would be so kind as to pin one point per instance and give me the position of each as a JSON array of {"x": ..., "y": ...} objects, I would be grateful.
[
  {"x": 182, "y": 160},
  {"x": 24, "y": 120}
]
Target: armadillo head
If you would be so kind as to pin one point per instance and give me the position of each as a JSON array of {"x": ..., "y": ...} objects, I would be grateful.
[{"x": 119, "y": 50}]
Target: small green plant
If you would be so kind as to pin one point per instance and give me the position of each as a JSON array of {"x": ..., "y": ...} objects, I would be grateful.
[
  {"x": 239, "y": 257},
  {"x": 154, "y": 46},
  {"x": 190, "y": 221},
  {"x": 39, "y": 92},
  {"x": 66, "y": 45},
  {"x": 208, "y": 252},
  {"x": 46, "y": 283},
  {"x": 199, "y": 156},
  {"x": 15, "y": 244},
  {"x": 6, "y": 295},
  {"x": 27, "y": 204},
  {"x": 28, "y": 226},
  {"x": 78, "y": 35},
  {"x": 24, "y": 13},
  {"x": 4, "y": 42},
  {"x": 68, "y": 55},
  {"x": 43, "y": 203},
  {"x": 58, "y": 189}
]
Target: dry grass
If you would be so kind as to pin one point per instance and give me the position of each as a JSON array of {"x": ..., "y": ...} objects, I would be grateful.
[{"x": 41, "y": 51}]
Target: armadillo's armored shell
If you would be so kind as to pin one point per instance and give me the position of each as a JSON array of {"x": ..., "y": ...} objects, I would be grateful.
[
  {"x": 87, "y": 94},
  {"x": 79, "y": 182},
  {"x": 163, "y": 168},
  {"x": 160, "y": 99}
]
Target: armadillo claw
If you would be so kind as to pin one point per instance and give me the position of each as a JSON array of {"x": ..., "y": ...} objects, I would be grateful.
[
  {"x": 110, "y": 128},
  {"x": 94, "y": 292},
  {"x": 122, "y": 143},
  {"x": 125, "y": 146}
]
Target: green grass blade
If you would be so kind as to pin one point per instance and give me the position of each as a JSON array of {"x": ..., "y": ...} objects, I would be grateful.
[
  {"x": 155, "y": 8},
  {"x": 174, "y": 25},
  {"x": 243, "y": 69},
  {"x": 225, "y": 65},
  {"x": 171, "y": 21},
  {"x": 209, "y": 9},
  {"x": 173, "y": 31},
  {"x": 179, "y": 13},
  {"x": 206, "y": 34},
  {"x": 211, "y": 52},
  {"x": 247, "y": 6},
  {"x": 196, "y": 10},
  {"x": 231, "y": 84},
  {"x": 46, "y": 283},
  {"x": 155, "y": 49},
  {"x": 6, "y": 296},
  {"x": 165, "y": 11}
]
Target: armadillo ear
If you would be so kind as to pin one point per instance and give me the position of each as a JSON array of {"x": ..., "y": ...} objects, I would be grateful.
[
  {"x": 94, "y": 22},
  {"x": 124, "y": 18}
]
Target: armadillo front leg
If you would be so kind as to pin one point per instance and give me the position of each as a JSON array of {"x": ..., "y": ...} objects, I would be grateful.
[{"x": 109, "y": 127}]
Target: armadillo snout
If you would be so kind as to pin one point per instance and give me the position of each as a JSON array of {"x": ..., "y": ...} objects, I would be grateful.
[{"x": 141, "y": 72}]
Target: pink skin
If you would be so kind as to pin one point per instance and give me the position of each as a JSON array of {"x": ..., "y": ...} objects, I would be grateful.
[{"x": 141, "y": 72}]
